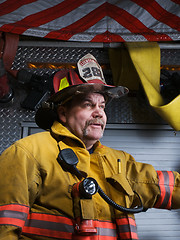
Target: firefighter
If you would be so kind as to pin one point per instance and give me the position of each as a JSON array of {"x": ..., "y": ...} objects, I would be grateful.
[{"x": 63, "y": 183}]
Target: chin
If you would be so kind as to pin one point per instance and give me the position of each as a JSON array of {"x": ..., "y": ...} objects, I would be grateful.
[{"x": 94, "y": 137}]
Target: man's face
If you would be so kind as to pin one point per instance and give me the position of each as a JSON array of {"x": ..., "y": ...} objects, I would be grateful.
[{"x": 86, "y": 118}]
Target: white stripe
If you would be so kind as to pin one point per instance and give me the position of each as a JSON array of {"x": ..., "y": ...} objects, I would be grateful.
[
  {"x": 65, "y": 20},
  {"x": 91, "y": 32},
  {"x": 170, "y": 6},
  {"x": 36, "y": 32},
  {"x": 98, "y": 28},
  {"x": 27, "y": 10},
  {"x": 145, "y": 17},
  {"x": 174, "y": 36},
  {"x": 113, "y": 27}
]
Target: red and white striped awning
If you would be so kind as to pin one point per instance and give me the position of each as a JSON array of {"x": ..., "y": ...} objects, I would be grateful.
[{"x": 93, "y": 20}]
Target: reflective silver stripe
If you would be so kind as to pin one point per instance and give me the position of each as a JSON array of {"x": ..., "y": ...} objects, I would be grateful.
[
  {"x": 60, "y": 227},
  {"x": 13, "y": 214},
  {"x": 54, "y": 226},
  {"x": 127, "y": 228},
  {"x": 107, "y": 232}
]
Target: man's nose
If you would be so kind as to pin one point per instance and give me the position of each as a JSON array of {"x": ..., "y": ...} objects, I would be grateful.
[{"x": 98, "y": 112}]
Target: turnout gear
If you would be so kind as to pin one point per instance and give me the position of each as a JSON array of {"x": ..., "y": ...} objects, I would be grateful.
[{"x": 38, "y": 202}]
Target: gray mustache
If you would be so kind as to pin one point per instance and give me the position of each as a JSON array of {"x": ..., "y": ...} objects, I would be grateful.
[{"x": 96, "y": 121}]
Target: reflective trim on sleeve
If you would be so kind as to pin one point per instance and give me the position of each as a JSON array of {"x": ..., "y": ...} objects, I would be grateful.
[
  {"x": 127, "y": 228},
  {"x": 166, "y": 185},
  {"x": 13, "y": 214}
]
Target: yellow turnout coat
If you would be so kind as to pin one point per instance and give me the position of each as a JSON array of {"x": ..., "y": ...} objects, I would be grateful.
[{"x": 35, "y": 192}]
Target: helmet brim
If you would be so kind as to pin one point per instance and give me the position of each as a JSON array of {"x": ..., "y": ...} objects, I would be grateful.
[
  {"x": 46, "y": 114},
  {"x": 72, "y": 91}
]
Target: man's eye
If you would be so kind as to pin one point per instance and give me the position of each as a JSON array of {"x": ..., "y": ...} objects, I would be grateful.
[
  {"x": 88, "y": 104},
  {"x": 102, "y": 106}
]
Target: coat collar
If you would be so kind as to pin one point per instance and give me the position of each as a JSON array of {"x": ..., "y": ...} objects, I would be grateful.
[
  {"x": 59, "y": 131},
  {"x": 66, "y": 139}
]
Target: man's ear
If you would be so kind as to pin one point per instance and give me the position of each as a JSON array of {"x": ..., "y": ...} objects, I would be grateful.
[{"x": 61, "y": 111}]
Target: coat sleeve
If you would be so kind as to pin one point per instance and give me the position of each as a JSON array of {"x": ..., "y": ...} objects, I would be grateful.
[
  {"x": 19, "y": 181},
  {"x": 157, "y": 189}
]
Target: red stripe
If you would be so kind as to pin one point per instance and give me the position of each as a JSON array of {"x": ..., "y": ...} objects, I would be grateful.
[
  {"x": 54, "y": 12},
  {"x": 15, "y": 207},
  {"x": 160, "y": 13},
  {"x": 42, "y": 17},
  {"x": 65, "y": 220},
  {"x": 166, "y": 187},
  {"x": 171, "y": 186},
  {"x": 133, "y": 24},
  {"x": 43, "y": 231},
  {"x": 107, "y": 9},
  {"x": 11, "y": 5},
  {"x": 12, "y": 221},
  {"x": 63, "y": 235},
  {"x": 125, "y": 221},
  {"x": 47, "y": 232},
  {"x": 50, "y": 218},
  {"x": 162, "y": 189},
  {"x": 107, "y": 37},
  {"x": 98, "y": 237},
  {"x": 176, "y": 1},
  {"x": 81, "y": 25},
  {"x": 103, "y": 224},
  {"x": 94, "y": 237},
  {"x": 128, "y": 235}
]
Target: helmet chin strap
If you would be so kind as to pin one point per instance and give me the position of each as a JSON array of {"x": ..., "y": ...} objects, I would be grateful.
[{"x": 89, "y": 186}]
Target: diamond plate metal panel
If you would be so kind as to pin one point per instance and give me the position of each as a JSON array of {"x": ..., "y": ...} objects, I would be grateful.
[
  {"x": 170, "y": 56},
  {"x": 126, "y": 110},
  {"x": 11, "y": 115},
  {"x": 55, "y": 55},
  {"x": 132, "y": 110}
]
